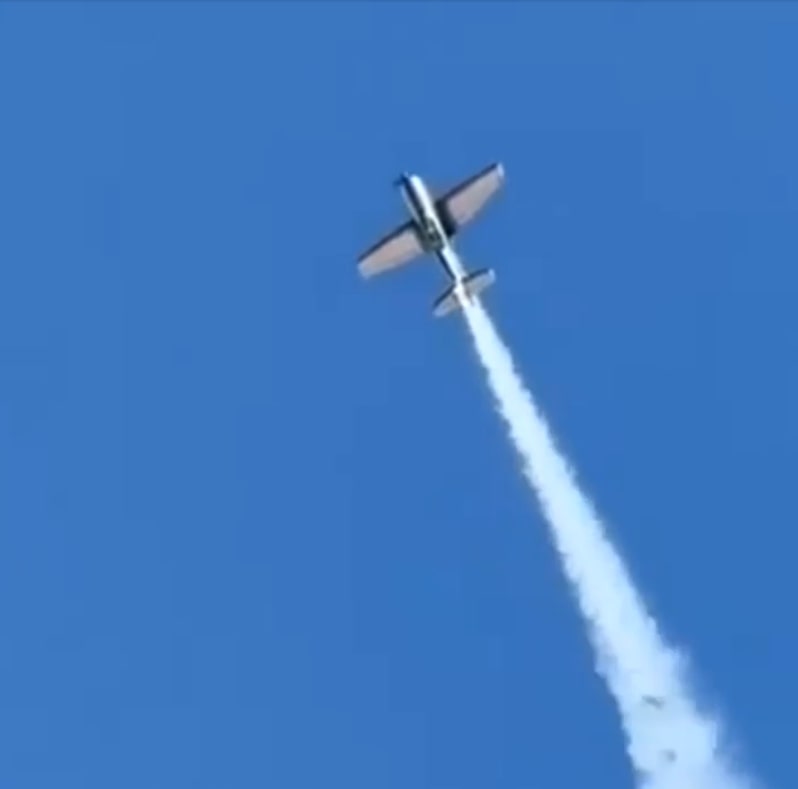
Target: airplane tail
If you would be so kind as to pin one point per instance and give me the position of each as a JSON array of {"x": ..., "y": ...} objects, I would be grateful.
[{"x": 472, "y": 285}]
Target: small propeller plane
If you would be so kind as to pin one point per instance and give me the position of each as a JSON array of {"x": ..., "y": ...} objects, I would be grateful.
[{"x": 434, "y": 223}]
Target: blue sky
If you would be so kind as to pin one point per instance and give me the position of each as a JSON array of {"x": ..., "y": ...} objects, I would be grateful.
[{"x": 259, "y": 524}]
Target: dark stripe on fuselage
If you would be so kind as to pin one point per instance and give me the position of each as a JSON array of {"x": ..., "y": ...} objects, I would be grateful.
[{"x": 414, "y": 198}]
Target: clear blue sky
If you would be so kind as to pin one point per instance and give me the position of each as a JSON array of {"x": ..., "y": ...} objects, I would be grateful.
[{"x": 259, "y": 526}]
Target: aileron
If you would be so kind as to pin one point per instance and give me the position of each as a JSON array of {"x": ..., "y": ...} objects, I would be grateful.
[
  {"x": 462, "y": 203},
  {"x": 394, "y": 250}
]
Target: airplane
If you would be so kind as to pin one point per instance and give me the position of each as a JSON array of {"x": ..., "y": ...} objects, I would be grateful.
[{"x": 434, "y": 223}]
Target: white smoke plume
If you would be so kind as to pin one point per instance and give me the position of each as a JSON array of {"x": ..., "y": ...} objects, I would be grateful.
[{"x": 670, "y": 742}]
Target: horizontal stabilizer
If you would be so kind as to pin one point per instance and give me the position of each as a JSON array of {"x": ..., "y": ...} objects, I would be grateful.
[{"x": 471, "y": 286}]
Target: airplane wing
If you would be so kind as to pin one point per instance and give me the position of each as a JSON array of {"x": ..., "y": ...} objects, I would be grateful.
[
  {"x": 395, "y": 249},
  {"x": 462, "y": 203}
]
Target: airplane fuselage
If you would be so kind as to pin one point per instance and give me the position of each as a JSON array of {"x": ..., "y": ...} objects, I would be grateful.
[
  {"x": 434, "y": 221},
  {"x": 429, "y": 225}
]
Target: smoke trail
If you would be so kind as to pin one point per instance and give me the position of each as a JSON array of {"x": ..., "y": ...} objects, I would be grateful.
[{"x": 671, "y": 744}]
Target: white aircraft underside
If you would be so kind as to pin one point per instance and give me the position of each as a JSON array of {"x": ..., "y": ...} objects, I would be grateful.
[{"x": 433, "y": 224}]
